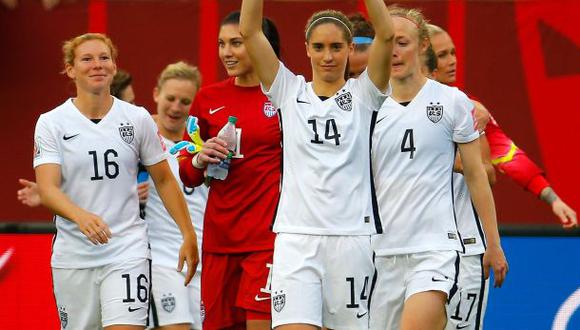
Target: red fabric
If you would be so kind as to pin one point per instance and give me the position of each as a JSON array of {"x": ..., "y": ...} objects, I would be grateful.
[
  {"x": 239, "y": 210},
  {"x": 520, "y": 168},
  {"x": 230, "y": 285}
]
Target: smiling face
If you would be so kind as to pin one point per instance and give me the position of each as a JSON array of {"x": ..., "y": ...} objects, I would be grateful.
[
  {"x": 406, "y": 49},
  {"x": 173, "y": 100},
  {"x": 446, "y": 61},
  {"x": 232, "y": 51},
  {"x": 92, "y": 68},
  {"x": 328, "y": 51}
]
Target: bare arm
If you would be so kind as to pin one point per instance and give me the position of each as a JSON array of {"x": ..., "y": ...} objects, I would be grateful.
[
  {"x": 175, "y": 204},
  {"x": 379, "y": 64},
  {"x": 482, "y": 198},
  {"x": 564, "y": 212},
  {"x": 262, "y": 55},
  {"x": 48, "y": 180},
  {"x": 486, "y": 159}
]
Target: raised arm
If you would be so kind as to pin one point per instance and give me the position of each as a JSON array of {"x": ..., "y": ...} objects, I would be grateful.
[
  {"x": 380, "y": 55},
  {"x": 261, "y": 54},
  {"x": 175, "y": 204}
]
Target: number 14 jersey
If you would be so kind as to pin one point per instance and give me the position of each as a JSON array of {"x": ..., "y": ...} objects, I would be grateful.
[
  {"x": 326, "y": 181},
  {"x": 413, "y": 156}
]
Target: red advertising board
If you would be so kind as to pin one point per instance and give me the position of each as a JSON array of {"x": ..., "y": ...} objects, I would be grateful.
[{"x": 26, "y": 283}]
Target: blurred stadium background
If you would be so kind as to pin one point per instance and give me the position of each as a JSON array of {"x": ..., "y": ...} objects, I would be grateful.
[{"x": 520, "y": 58}]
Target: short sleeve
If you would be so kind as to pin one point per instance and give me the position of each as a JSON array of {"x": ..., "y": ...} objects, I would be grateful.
[
  {"x": 284, "y": 86},
  {"x": 368, "y": 92},
  {"x": 463, "y": 124},
  {"x": 152, "y": 149},
  {"x": 46, "y": 149}
]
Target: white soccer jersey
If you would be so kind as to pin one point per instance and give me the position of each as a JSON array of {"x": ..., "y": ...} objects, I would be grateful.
[
  {"x": 98, "y": 164},
  {"x": 326, "y": 181},
  {"x": 413, "y": 155},
  {"x": 468, "y": 222},
  {"x": 164, "y": 234}
]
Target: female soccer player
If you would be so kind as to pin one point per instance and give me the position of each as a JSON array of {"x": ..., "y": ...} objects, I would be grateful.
[
  {"x": 326, "y": 212},
  {"x": 238, "y": 244},
  {"x": 174, "y": 306},
  {"x": 413, "y": 154},
  {"x": 122, "y": 89},
  {"x": 467, "y": 309},
  {"x": 519, "y": 166},
  {"x": 86, "y": 155}
]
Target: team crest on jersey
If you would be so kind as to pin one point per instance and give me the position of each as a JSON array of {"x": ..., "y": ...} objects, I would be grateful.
[
  {"x": 279, "y": 300},
  {"x": 168, "y": 302},
  {"x": 344, "y": 101},
  {"x": 434, "y": 112},
  {"x": 269, "y": 109},
  {"x": 127, "y": 133},
  {"x": 63, "y": 316}
]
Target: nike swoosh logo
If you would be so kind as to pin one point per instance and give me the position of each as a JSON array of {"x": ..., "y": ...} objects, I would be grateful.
[
  {"x": 212, "y": 111},
  {"x": 5, "y": 257},
  {"x": 258, "y": 298},
  {"x": 378, "y": 120},
  {"x": 64, "y": 137},
  {"x": 358, "y": 316},
  {"x": 438, "y": 279},
  {"x": 300, "y": 101},
  {"x": 459, "y": 326},
  {"x": 131, "y": 310}
]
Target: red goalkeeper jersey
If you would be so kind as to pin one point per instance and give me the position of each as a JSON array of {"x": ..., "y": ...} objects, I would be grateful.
[
  {"x": 240, "y": 209},
  {"x": 512, "y": 161}
]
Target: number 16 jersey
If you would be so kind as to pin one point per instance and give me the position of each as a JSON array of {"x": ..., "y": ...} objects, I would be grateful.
[
  {"x": 413, "y": 156},
  {"x": 98, "y": 166},
  {"x": 326, "y": 182}
]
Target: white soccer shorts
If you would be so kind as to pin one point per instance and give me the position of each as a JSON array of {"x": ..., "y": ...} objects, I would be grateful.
[
  {"x": 322, "y": 280},
  {"x": 401, "y": 276},
  {"x": 93, "y": 298},
  {"x": 467, "y": 308},
  {"x": 174, "y": 303}
]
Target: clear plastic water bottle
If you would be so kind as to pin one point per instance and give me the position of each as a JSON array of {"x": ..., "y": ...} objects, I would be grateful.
[{"x": 228, "y": 134}]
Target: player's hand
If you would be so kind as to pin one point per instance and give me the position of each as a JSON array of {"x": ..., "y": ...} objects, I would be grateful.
[
  {"x": 565, "y": 213},
  {"x": 481, "y": 116},
  {"x": 94, "y": 228},
  {"x": 29, "y": 194},
  {"x": 213, "y": 151},
  {"x": 143, "y": 192},
  {"x": 189, "y": 254},
  {"x": 494, "y": 258}
]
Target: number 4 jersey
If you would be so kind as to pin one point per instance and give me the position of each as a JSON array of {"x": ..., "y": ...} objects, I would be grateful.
[
  {"x": 98, "y": 164},
  {"x": 413, "y": 155},
  {"x": 326, "y": 182}
]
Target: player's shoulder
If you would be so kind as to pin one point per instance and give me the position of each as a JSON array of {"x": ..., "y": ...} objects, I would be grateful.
[
  {"x": 58, "y": 116},
  {"x": 129, "y": 110},
  {"x": 452, "y": 93}
]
